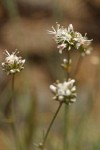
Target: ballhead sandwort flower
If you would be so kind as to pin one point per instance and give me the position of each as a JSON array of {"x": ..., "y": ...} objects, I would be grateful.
[
  {"x": 62, "y": 36},
  {"x": 68, "y": 39},
  {"x": 82, "y": 43},
  {"x": 12, "y": 63},
  {"x": 64, "y": 92}
]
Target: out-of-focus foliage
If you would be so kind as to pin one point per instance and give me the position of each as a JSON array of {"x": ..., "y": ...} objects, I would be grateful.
[{"x": 24, "y": 25}]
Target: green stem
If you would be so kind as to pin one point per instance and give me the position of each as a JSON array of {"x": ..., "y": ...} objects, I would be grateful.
[
  {"x": 48, "y": 130},
  {"x": 12, "y": 103},
  {"x": 13, "y": 110},
  {"x": 14, "y": 128},
  {"x": 11, "y": 7},
  {"x": 78, "y": 66},
  {"x": 13, "y": 123},
  {"x": 65, "y": 141},
  {"x": 65, "y": 145},
  {"x": 19, "y": 146},
  {"x": 68, "y": 71},
  {"x": 12, "y": 86}
]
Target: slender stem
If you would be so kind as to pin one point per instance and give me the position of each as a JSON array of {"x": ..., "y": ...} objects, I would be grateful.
[
  {"x": 12, "y": 102},
  {"x": 68, "y": 71},
  {"x": 13, "y": 111},
  {"x": 13, "y": 123},
  {"x": 12, "y": 9},
  {"x": 78, "y": 66},
  {"x": 65, "y": 141},
  {"x": 48, "y": 130},
  {"x": 14, "y": 128},
  {"x": 65, "y": 128},
  {"x": 12, "y": 86}
]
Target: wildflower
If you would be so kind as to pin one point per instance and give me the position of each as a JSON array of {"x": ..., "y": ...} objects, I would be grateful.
[
  {"x": 68, "y": 39},
  {"x": 82, "y": 43},
  {"x": 12, "y": 63},
  {"x": 64, "y": 92},
  {"x": 62, "y": 36}
]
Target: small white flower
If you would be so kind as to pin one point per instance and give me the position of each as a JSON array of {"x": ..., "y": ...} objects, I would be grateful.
[
  {"x": 65, "y": 61},
  {"x": 13, "y": 63},
  {"x": 60, "y": 97},
  {"x": 70, "y": 28},
  {"x": 68, "y": 92},
  {"x": 68, "y": 39},
  {"x": 64, "y": 92},
  {"x": 53, "y": 88},
  {"x": 83, "y": 44},
  {"x": 62, "y": 36},
  {"x": 61, "y": 47}
]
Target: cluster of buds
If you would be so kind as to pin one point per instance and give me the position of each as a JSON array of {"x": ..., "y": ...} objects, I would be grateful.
[
  {"x": 64, "y": 92},
  {"x": 12, "y": 63},
  {"x": 66, "y": 63},
  {"x": 67, "y": 38}
]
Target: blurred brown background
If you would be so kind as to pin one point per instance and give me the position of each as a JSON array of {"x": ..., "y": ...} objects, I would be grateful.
[{"x": 23, "y": 26}]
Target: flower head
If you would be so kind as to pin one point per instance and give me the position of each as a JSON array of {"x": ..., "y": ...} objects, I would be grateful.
[
  {"x": 64, "y": 92},
  {"x": 67, "y": 38},
  {"x": 12, "y": 63},
  {"x": 62, "y": 36},
  {"x": 82, "y": 43}
]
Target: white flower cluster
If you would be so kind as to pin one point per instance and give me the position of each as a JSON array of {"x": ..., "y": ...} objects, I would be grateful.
[
  {"x": 13, "y": 63},
  {"x": 69, "y": 39},
  {"x": 64, "y": 92}
]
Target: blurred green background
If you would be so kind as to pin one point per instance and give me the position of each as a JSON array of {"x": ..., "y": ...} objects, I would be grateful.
[{"x": 23, "y": 26}]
